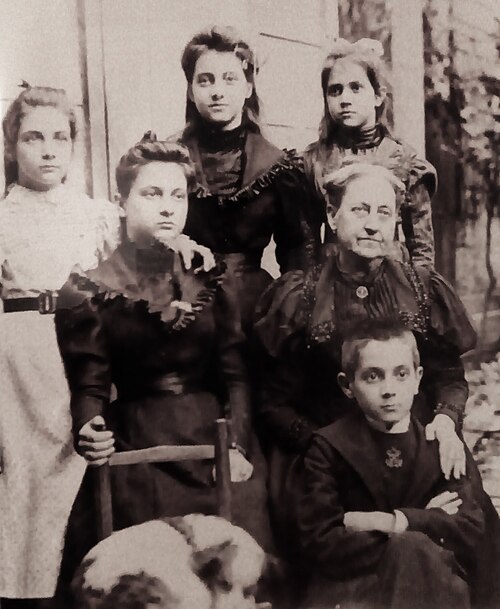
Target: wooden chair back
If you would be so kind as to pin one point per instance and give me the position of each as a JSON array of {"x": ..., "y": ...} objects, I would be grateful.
[{"x": 218, "y": 452}]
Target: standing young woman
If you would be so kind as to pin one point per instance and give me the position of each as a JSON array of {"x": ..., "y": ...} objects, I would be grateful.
[
  {"x": 250, "y": 191},
  {"x": 46, "y": 228}
]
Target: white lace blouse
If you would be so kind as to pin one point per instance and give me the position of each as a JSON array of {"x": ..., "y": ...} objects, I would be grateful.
[{"x": 44, "y": 235}]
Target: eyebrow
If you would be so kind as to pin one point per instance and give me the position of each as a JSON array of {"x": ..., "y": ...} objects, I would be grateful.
[
  {"x": 30, "y": 132},
  {"x": 372, "y": 369},
  {"x": 152, "y": 187}
]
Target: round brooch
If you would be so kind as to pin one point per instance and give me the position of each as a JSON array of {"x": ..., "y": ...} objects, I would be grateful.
[{"x": 361, "y": 291}]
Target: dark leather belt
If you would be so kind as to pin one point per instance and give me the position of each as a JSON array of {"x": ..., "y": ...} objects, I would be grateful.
[
  {"x": 172, "y": 383},
  {"x": 44, "y": 303}
]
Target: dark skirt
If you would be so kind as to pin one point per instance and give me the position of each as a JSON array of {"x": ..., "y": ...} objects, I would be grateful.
[{"x": 148, "y": 491}]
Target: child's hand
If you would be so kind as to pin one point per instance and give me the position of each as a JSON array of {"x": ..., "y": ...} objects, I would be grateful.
[
  {"x": 448, "y": 502},
  {"x": 370, "y": 521},
  {"x": 241, "y": 469},
  {"x": 94, "y": 444},
  {"x": 187, "y": 248},
  {"x": 451, "y": 448}
]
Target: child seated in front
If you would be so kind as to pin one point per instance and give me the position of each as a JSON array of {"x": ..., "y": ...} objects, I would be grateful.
[{"x": 380, "y": 526}]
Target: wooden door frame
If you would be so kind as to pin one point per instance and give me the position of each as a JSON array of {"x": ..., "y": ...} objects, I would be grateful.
[{"x": 94, "y": 97}]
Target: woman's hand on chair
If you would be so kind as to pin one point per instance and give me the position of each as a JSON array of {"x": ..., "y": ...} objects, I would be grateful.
[
  {"x": 241, "y": 469},
  {"x": 451, "y": 447},
  {"x": 95, "y": 443}
]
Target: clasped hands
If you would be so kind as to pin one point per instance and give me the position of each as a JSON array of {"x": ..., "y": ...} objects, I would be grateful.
[
  {"x": 96, "y": 444},
  {"x": 385, "y": 522}
]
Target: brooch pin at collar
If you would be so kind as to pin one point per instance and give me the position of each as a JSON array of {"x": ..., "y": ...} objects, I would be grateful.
[
  {"x": 362, "y": 291},
  {"x": 394, "y": 458}
]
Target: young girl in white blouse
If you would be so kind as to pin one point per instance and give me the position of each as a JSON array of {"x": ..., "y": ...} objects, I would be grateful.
[{"x": 47, "y": 228}]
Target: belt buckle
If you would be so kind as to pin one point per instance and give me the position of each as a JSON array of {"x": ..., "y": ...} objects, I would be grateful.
[{"x": 46, "y": 303}]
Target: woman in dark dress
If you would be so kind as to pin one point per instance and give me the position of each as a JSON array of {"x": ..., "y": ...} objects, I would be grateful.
[
  {"x": 300, "y": 323},
  {"x": 249, "y": 190},
  {"x": 170, "y": 341}
]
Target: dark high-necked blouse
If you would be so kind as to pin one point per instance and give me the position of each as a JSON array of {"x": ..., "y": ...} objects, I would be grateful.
[
  {"x": 249, "y": 193},
  {"x": 299, "y": 324}
]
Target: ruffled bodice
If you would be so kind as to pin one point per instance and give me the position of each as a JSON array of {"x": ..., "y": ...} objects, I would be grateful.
[
  {"x": 323, "y": 301},
  {"x": 43, "y": 235},
  {"x": 272, "y": 200},
  {"x": 140, "y": 320}
]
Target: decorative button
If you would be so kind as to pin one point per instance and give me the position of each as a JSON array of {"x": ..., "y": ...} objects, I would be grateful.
[{"x": 362, "y": 291}]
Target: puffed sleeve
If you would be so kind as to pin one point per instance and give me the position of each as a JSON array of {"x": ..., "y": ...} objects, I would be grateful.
[
  {"x": 231, "y": 340},
  {"x": 106, "y": 219},
  {"x": 83, "y": 349},
  {"x": 451, "y": 335},
  {"x": 280, "y": 329},
  {"x": 416, "y": 211},
  {"x": 325, "y": 541},
  {"x": 297, "y": 229}
]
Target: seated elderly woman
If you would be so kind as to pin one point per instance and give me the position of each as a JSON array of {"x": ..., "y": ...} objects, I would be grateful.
[
  {"x": 301, "y": 319},
  {"x": 169, "y": 341}
]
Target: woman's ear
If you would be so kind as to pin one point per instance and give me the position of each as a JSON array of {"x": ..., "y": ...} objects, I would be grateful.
[
  {"x": 418, "y": 374},
  {"x": 380, "y": 97},
  {"x": 249, "y": 90},
  {"x": 345, "y": 384},
  {"x": 331, "y": 217}
]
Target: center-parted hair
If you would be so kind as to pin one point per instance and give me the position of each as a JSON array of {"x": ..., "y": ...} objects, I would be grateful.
[
  {"x": 31, "y": 97},
  {"x": 357, "y": 336},
  {"x": 366, "y": 53},
  {"x": 222, "y": 39},
  {"x": 150, "y": 150},
  {"x": 336, "y": 182}
]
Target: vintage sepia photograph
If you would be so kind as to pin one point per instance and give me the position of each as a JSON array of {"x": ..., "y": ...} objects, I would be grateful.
[{"x": 250, "y": 304}]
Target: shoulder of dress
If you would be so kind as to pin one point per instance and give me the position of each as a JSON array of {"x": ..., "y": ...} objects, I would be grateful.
[
  {"x": 407, "y": 165},
  {"x": 282, "y": 311}
]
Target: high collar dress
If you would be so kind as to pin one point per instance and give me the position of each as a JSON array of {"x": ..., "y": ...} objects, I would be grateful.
[{"x": 43, "y": 236}]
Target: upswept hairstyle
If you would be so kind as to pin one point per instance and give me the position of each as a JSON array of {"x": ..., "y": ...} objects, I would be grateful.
[
  {"x": 336, "y": 182},
  {"x": 30, "y": 97},
  {"x": 148, "y": 150},
  {"x": 223, "y": 39},
  {"x": 368, "y": 54},
  {"x": 357, "y": 336}
]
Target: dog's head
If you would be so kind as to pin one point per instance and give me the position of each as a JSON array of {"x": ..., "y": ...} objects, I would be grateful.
[{"x": 227, "y": 559}]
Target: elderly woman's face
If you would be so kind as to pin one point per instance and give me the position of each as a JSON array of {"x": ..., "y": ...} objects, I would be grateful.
[
  {"x": 156, "y": 207},
  {"x": 366, "y": 219}
]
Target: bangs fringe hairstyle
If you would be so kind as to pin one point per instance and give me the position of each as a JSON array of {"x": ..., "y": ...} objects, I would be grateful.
[
  {"x": 222, "y": 39},
  {"x": 357, "y": 336},
  {"x": 336, "y": 182},
  {"x": 31, "y": 97},
  {"x": 149, "y": 150},
  {"x": 368, "y": 54}
]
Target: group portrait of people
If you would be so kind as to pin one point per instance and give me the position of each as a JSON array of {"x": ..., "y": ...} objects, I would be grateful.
[{"x": 139, "y": 323}]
